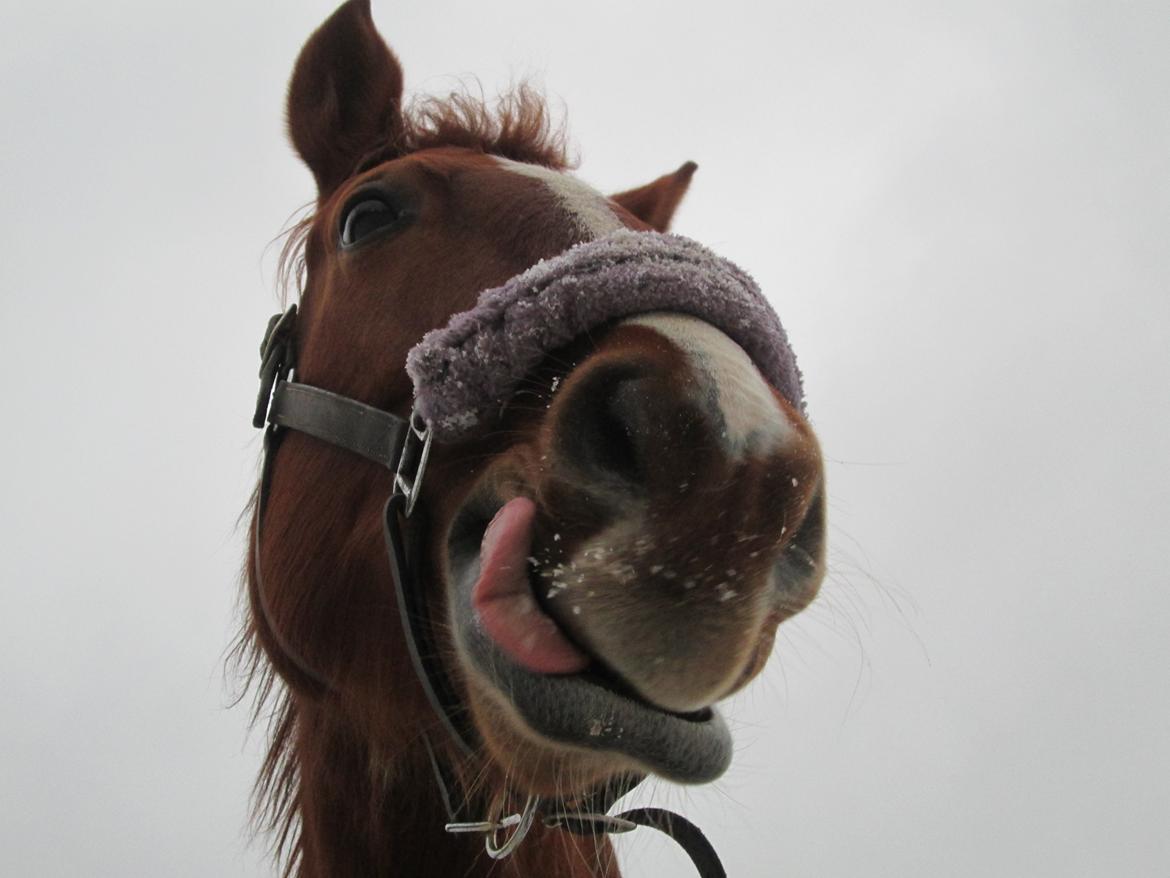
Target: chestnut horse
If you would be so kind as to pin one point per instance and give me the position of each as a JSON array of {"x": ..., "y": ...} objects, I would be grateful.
[{"x": 597, "y": 556}]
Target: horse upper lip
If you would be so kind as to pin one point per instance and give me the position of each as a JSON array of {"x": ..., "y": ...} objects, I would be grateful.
[{"x": 597, "y": 672}]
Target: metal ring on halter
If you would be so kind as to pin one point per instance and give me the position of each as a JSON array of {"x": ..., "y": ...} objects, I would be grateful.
[{"x": 522, "y": 822}]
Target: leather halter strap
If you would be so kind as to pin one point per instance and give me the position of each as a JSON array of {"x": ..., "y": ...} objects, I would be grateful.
[
  {"x": 401, "y": 446},
  {"x": 378, "y": 436},
  {"x": 374, "y": 434}
]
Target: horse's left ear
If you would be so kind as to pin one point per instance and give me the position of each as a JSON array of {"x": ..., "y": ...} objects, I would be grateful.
[
  {"x": 655, "y": 203},
  {"x": 345, "y": 96}
]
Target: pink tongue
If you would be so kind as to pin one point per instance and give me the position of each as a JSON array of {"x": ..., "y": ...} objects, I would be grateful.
[{"x": 503, "y": 599}]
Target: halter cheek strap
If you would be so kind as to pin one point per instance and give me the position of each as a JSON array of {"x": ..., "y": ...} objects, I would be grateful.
[
  {"x": 403, "y": 446},
  {"x": 382, "y": 437}
]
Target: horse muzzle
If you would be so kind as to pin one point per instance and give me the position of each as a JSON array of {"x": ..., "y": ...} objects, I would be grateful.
[{"x": 676, "y": 517}]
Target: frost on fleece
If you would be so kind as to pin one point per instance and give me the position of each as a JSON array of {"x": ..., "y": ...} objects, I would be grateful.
[{"x": 468, "y": 369}]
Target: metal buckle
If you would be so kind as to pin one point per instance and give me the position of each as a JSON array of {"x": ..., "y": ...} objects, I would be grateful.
[
  {"x": 276, "y": 361},
  {"x": 412, "y": 465},
  {"x": 490, "y": 828}
]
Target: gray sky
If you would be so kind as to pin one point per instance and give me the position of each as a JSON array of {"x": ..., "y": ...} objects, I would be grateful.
[{"x": 961, "y": 213}]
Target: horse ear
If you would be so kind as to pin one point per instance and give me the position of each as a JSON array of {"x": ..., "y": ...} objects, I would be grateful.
[
  {"x": 345, "y": 96},
  {"x": 655, "y": 203}
]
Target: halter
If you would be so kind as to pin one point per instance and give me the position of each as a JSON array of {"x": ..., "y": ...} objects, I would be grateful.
[{"x": 403, "y": 446}]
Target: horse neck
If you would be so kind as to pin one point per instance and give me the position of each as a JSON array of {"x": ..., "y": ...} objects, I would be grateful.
[{"x": 365, "y": 815}]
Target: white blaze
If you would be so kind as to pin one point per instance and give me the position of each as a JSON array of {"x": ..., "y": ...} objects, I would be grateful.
[
  {"x": 587, "y": 207},
  {"x": 725, "y": 375}
]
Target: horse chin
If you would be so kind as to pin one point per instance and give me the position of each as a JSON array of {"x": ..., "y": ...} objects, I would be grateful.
[{"x": 579, "y": 728}]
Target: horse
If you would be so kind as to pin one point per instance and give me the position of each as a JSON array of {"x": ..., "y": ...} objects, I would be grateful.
[{"x": 604, "y": 492}]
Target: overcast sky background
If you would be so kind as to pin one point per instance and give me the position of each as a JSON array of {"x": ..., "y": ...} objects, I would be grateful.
[{"x": 961, "y": 212}]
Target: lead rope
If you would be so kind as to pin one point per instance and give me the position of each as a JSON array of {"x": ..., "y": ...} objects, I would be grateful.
[{"x": 403, "y": 446}]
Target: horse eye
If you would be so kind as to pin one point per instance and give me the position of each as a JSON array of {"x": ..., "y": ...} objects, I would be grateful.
[{"x": 366, "y": 216}]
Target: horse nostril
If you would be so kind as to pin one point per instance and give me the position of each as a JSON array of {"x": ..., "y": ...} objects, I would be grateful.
[
  {"x": 600, "y": 429},
  {"x": 626, "y": 425}
]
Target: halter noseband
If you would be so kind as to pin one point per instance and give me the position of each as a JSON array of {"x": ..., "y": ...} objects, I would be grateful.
[{"x": 402, "y": 446}]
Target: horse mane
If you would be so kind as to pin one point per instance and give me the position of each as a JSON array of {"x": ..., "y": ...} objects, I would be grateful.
[{"x": 517, "y": 125}]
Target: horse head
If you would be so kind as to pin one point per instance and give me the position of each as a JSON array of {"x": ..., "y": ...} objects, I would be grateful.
[{"x": 622, "y": 501}]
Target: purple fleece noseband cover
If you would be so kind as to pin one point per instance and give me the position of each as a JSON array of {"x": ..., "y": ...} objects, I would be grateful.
[{"x": 465, "y": 371}]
